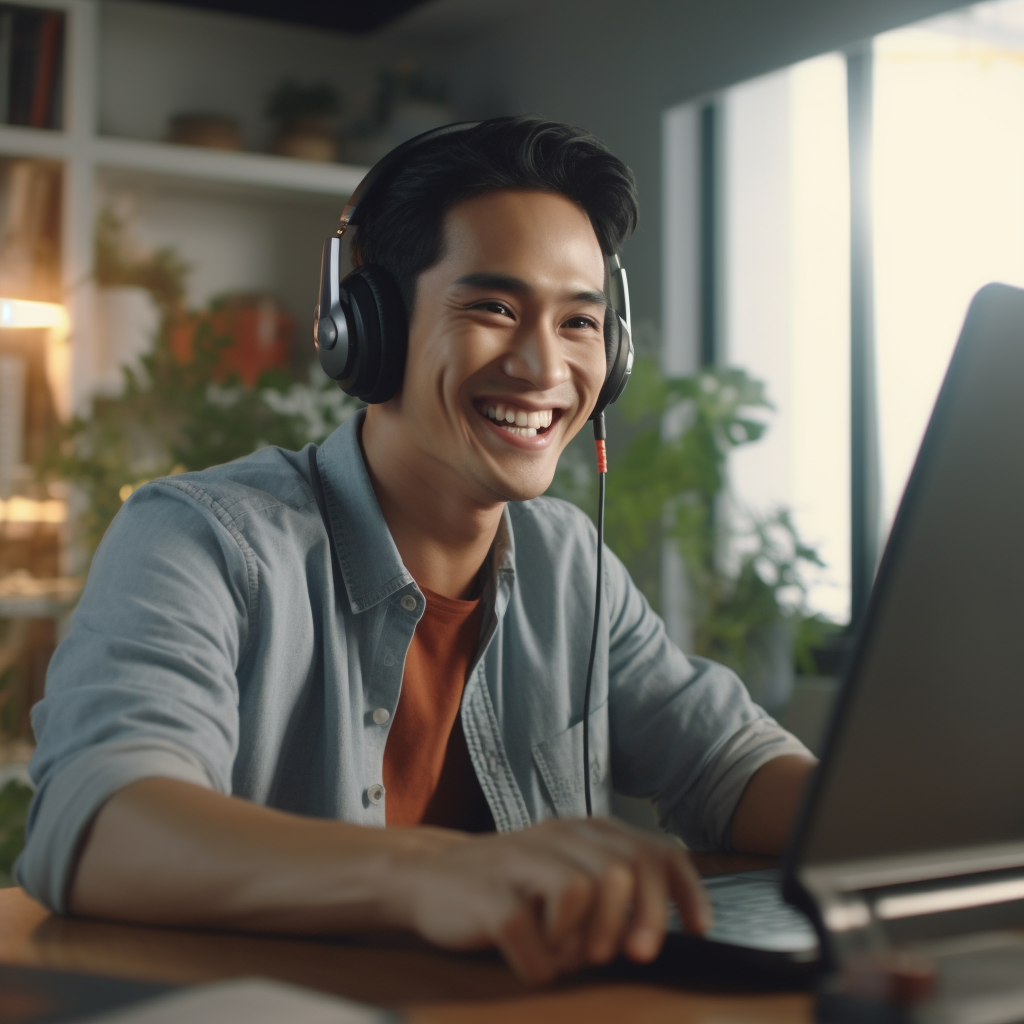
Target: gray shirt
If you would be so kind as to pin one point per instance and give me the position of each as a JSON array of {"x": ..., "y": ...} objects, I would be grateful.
[{"x": 218, "y": 643}]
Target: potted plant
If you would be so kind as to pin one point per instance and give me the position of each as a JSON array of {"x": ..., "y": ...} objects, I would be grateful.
[
  {"x": 306, "y": 118},
  {"x": 407, "y": 102},
  {"x": 667, "y": 479}
]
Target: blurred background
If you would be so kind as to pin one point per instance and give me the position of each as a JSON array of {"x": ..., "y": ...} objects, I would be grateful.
[{"x": 823, "y": 187}]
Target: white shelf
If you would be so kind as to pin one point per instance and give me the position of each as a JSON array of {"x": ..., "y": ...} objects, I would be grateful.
[
  {"x": 34, "y": 143},
  {"x": 229, "y": 168},
  {"x": 191, "y": 163}
]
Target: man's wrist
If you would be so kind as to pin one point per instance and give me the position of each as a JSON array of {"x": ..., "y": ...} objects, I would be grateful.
[{"x": 396, "y": 873}]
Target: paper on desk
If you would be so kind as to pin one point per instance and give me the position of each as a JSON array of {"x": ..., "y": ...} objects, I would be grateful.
[{"x": 247, "y": 1001}]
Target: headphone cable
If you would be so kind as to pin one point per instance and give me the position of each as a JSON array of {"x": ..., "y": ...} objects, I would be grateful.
[{"x": 602, "y": 472}]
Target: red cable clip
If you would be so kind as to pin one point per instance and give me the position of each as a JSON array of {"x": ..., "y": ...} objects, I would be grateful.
[{"x": 602, "y": 456}]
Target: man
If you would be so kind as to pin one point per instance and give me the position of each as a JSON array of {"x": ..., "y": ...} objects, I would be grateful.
[{"x": 236, "y": 710}]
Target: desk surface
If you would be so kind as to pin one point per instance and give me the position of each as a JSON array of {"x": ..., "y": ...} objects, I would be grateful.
[{"x": 430, "y": 985}]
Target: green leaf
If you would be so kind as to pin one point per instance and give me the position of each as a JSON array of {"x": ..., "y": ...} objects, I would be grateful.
[
  {"x": 669, "y": 439},
  {"x": 15, "y": 798}
]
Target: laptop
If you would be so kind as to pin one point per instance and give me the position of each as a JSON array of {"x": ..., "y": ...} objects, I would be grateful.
[{"x": 911, "y": 836}]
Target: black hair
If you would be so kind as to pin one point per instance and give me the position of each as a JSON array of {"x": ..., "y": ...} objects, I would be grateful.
[{"x": 402, "y": 219}]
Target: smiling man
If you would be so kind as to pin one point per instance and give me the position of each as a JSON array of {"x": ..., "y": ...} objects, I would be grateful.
[{"x": 253, "y": 686}]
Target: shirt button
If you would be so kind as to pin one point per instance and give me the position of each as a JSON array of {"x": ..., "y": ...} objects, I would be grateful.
[
  {"x": 408, "y": 602},
  {"x": 375, "y": 793},
  {"x": 381, "y": 716}
]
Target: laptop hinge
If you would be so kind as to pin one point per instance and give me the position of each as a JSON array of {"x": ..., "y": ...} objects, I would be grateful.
[{"x": 898, "y": 902}]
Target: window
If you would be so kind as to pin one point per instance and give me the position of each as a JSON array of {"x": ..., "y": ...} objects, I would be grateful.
[
  {"x": 784, "y": 301},
  {"x": 948, "y": 207},
  {"x": 851, "y": 329}
]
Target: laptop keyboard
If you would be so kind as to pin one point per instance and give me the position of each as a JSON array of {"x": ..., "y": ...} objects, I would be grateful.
[{"x": 749, "y": 911}]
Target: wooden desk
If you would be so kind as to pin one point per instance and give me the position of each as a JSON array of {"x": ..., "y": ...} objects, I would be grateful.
[{"x": 431, "y": 986}]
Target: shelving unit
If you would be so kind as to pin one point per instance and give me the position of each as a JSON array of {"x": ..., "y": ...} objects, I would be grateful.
[
  {"x": 244, "y": 221},
  {"x": 94, "y": 164}
]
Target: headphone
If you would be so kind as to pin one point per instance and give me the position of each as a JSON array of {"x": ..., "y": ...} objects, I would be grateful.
[{"x": 359, "y": 324}]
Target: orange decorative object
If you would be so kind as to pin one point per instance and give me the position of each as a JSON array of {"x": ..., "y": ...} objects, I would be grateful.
[{"x": 260, "y": 330}]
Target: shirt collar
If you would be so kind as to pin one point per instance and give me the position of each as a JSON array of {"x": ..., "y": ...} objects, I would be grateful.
[{"x": 368, "y": 559}]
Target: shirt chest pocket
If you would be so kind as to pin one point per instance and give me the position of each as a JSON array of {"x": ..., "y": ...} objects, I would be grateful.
[{"x": 559, "y": 760}]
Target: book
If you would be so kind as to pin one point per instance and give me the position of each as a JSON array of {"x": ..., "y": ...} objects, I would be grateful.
[
  {"x": 13, "y": 385},
  {"x": 46, "y": 64},
  {"x": 23, "y": 64},
  {"x": 56, "y": 110},
  {"x": 29, "y": 229},
  {"x": 6, "y": 42},
  {"x": 31, "y": 66}
]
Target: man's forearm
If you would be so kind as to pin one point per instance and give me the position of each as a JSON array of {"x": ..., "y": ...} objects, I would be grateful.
[
  {"x": 550, "y": 897},
  {"x": 162, "y": 851},
  {"x": 766, "y": 813}
]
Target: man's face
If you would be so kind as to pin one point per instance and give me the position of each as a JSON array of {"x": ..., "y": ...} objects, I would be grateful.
[{"x": 506, "y": 346}]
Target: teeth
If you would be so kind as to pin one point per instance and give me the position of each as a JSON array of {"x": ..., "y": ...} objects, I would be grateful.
[
  {"x": 519, "y": 421},
  {"x": 521, "y": 431}
]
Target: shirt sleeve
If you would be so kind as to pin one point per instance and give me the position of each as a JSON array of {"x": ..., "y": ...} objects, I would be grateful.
[
  {"x": 684, "y": 731},
  {"x": 145, "y": 682}
]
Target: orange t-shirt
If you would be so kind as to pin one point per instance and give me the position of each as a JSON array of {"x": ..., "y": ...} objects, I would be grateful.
[{"x": 428, "y": 776}]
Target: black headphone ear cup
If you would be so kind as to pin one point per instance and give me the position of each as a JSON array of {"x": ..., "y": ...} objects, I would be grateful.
[
  {"x": 612, "y": 337},
  {"x": 618, "y": 349},
  {"x": 378, "y": 334}
]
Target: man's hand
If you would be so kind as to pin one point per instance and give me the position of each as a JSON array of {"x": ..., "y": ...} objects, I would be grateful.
[{"x": 552, "y": 897}]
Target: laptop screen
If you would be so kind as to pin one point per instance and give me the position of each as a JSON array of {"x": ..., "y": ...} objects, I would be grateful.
[{"x": 926, "y": 747}]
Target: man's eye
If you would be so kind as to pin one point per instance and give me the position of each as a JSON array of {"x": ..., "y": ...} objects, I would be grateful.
[
  {"x": 495, "y": 307},
  {"x": 580, "y": 323}
]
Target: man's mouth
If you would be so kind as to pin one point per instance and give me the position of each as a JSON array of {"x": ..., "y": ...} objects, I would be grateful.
[{"x": 524, "y": 422}]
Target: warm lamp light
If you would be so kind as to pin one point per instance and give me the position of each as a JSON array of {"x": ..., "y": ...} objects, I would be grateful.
[
  {"x": 31, "y": 510},
  {"x": 52, "y": 317},
  {"x": 22, "y": 313}
]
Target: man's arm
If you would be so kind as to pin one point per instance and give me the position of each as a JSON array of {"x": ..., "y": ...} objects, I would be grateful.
[
  {"x": 685, "y": 730},
  {"x": 766, "y": 814},
  {"x": 551, "y": 897}
]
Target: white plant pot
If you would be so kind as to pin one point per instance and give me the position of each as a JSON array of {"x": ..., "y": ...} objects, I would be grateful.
[
  {"x": 126, "y": 324},
  {"x": 770, "y": 674},
  {"x": 410, "y": 118}
]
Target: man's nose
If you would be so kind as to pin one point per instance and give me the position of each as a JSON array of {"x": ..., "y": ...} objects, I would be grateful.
[{"x": 538, "y": 357}]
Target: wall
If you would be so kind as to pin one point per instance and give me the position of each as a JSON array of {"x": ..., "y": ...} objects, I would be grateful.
[
  {"x": 157, "y": 60},
  {"x": 615, "y": 74}
]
